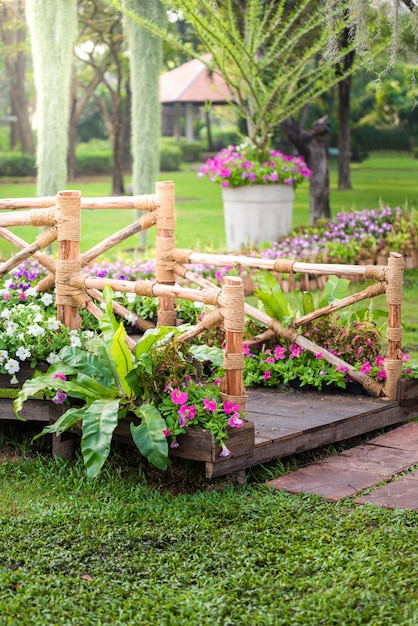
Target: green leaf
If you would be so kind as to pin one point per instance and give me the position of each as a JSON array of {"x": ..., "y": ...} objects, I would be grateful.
[
  {"x": 45, "y": 381},
  {"x": 108, "y": 323},
  {"x": 97, "y": 366},
  {"x": 122, "y": 357},
  {"x": 208, "y": 353},
  {"x": 99, "y": 422},
  {"x": 308, "y": 302},
  {"x": 149, "y": 437},
  {"x": 151, "y": 336},
  {"x": 272, "y": 296},
  {"x": 335, "y": 289},
  {"x": 67, "y": 420},
  {"x": 95, "y": 387}
]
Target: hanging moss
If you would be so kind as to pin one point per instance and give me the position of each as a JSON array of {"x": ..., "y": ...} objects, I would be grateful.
[
  {"x": 145, "y": 53},
  {"x": 53, "y": 29}
]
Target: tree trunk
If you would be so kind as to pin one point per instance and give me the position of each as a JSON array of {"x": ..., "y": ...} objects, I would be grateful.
[
  {"x": 344, "y": 180},
  {"x": 313, "y": 146},
  {"x": 13, "y": 34},
  {"x": 118, "y": 188}
]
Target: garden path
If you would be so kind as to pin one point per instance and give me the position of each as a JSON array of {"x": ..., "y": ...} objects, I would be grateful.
[{"x": 379, "y": 470}]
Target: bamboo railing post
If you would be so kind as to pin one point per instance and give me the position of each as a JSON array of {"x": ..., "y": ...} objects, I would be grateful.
[
  {"x": 232, "y": 300},
  {"x": 68, "y": 262},
  {"x": 164, "y": 247},
  {"x": 393, "y": 361}
]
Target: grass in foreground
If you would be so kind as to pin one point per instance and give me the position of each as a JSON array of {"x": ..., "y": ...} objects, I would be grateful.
[{"x": 116, "y": 551}]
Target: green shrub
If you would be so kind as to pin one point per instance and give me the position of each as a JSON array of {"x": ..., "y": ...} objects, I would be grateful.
[
  {"x": 93, "y": 157},
  {"x": 222, "y": 138},
  {"x": 191, "y": 151},
  {"x": 171, "y": 156},
  {"x": 370, "y": 138},
  {"x": 17, "y": 164}
]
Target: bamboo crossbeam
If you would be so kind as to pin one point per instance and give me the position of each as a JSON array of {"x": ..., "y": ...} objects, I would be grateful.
[
  {"x": 16, "y": 219},
  {"x": 222, "y": 260},
  {"x": 141, "y": 203},
  {"x": 369, "y": 292}
]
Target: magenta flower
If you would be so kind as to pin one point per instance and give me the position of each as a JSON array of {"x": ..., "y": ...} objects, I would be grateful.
[
  {"x": 166, "y": 432},
  {"x": 343, "y": 369},
  {"x": 60, "y": 397},
  {"x": 365, "y": 368},
  {"x": 179, "y": 397},
  {"x": 210, "y": 405},
  {"x": 229, "y": 407},
  {"x": 279, "y": 353},
  {"x": 235, "y": 421},
  {"x": 319, "y": 355},
  {"x": 61, "y": 376},
  {"x": 380, "y": 361},
  {"x": 186, "y": 413},
  {"x": 246, "y": 349},
  {"x": 267, "y": 375},
  {"x": 381, "y": 374},
  {"x": 405, "y": 357},
  {"x": 269, "y": 360}
]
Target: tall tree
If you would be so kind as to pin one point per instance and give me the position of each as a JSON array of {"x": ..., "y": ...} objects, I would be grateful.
[
  {"x": 13, "y": 35},
  {"x": 53, "y": 29}
]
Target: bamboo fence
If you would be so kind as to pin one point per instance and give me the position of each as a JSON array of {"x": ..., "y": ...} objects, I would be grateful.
[{"x": 75, "y": 290}]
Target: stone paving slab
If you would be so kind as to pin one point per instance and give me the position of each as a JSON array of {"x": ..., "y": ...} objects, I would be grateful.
[
  {"x": 325, "y": 480},
  {"x": 346, "y": 474},
  {"x": 399, "y": 494},
  {"x": 405, "y": 437}
]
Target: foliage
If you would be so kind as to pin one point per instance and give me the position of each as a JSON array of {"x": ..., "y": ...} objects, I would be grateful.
[
  {"x": 93, "y": 157},
  {"x": 16, "y": 164},
  {"x": 191, "y": 150},
  {"x": 171, "y": 156},
  {"x": 237, "y": 166}
]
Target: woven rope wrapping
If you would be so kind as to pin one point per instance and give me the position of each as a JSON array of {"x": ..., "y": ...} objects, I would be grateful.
[
  {"x": 233, "y": 361},
  {"x": 375, "y": 290},
  {"x": 47, "y": 283},
  {"x": 46, "y": 261},
  {"x": 144, "y": 288},
  {"x": 373, "y": 387},
  {"x": 47, "y": 237},
  {"x": 394, "y": 334},
  {"x": 166, "y": 318},
  {"x": 231, "y": 300},
  {"x": 211, "y": 320},
  {"x": 210, "y": 296},
  {"x": 147, "y": 220},
  {"x": 42, "y": 217},
  {"x": 164, "y": 247},
  {"x": 289, "y": 334},
  {"x": 375, "y": 272},
  {"x": 182, "y": 255},
  {"x": 395, "y": 278},
  {"x": 241, "y": 401},
  {"x": 393, "y": 369},
  {"x": 146, "y": 202},
  {"x": 67, "y": 294},
  {"x": 68, "y": 218},
  {"x": 283, "y": 266},
  {"x": 166, "y": 219}
]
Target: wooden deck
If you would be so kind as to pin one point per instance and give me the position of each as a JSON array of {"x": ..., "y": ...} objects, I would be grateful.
[{"x": 279, "y": 424}]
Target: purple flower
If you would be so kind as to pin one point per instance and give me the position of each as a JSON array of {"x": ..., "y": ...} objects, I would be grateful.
[
  {"x": 60, "y": 397},
  {"x": 174, "y": 444},
  {"x": 224, "y": 451}
]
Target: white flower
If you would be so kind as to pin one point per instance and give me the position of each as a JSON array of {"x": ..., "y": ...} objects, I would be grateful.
[
  {"x": 10, "y": 328},
  {"x": 8, "y": 283},
  {"x": 102, "y": 305},
  {"x": 22, "y": 353},
  {"x": 32, "y": 291},
  {"x": 88, "y": 334},
  {"x": 53, "y": 323},
  {"x": 35, "y": 330},
  {"x": 38, "y": 318},
  {"x": 47, "y": 299},
  {"x": 52, "y": 358},
  {"x": 75, "y": 342},
  {"x": 21, "y": 336},
  {"x": 12, "y": 366},
  {"x": 131, "y": 297},
  {"x": 6, "y": 313},
  {"x": 3, "y": 356},
  {"x": 118, "y": 294},
  {"x": 131, "y": 318}
]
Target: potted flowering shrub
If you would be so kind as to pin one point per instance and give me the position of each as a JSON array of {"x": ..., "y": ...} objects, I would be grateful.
[{"x": 257, "y": 191}]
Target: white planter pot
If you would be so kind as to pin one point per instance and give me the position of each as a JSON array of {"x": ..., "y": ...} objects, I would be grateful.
[{"x": 256, "y": 213}]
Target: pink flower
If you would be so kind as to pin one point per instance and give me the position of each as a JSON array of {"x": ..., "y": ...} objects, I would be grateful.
[
  {"x": 229, "y": 407},
  {"x": 319, "y": 355},
  {"x": 408, "y": 371},
  {"x": 61, "y": 376},
  {"x": 166, "y": 432},
  {"x": 381, "y": 374},
  {"x": 267, "y": 375},
  {"x": 235, "y": 421},
  {"x": 365, "y": 368},
  {"x": 224, "y": 451},
  {"x": 279, "y": 353},
  {"x": 269, "y": 360},
  {"x": 22, "y": 295},
  {"x": 246, "y": 349},
  {"x": 405, "y": 357},
  {"x": 186, "y": 412},
  {"x": 6, "y": 296},
  {"x": 380, "y": 361},
  {"x": 179, "y": 397},
  {"x": 343, "y": 369},
  {"x": 210, "y": 405}
]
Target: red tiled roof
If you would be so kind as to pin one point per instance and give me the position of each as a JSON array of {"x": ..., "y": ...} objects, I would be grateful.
[{"x": 191, "y": 82}]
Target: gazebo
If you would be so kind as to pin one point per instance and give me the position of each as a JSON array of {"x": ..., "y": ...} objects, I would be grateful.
[{"x": 185, "y": 89}]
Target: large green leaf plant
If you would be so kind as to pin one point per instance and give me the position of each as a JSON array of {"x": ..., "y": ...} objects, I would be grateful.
[{"x": 109, "y": 383}]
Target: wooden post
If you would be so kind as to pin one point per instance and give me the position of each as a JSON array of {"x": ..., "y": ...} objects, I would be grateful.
[
  {"x": 232, "y": 301},
  {"x": 164, "y": 246},
  {"x": 68, "y": 263},
  {"x": 393, "y": 361}
]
